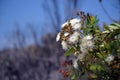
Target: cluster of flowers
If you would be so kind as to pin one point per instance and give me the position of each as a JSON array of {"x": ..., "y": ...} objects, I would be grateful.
[
  {"x": 71, "y": 35},
  {"x": 90, "y": 46}
]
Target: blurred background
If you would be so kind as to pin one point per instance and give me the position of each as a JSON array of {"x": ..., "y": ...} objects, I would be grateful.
[{"x": 28, "y": 29}]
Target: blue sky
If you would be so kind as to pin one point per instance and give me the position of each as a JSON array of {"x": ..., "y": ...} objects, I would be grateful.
[{"x": 22, "y": 12}]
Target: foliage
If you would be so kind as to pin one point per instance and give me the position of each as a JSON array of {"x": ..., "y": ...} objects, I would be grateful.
[{"x": 96, "y": 53}]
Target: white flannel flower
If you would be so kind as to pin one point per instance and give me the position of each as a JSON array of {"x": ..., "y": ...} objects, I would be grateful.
[
  {"x": 64, "y": 45},
  {"x": 109, "y": 58},
  {"x": 86, "y": 44},
  {"x": 58, "y": 37},
  {"x": 75, "y": 64},
  {"x": 75, "y": 23},
  {"x": 74, "y": 37}
]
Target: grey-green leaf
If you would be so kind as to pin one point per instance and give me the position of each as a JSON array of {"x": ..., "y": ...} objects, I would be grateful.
[
  {"x": 69, "y": 52},
  {"x": 73, "y": 77}
]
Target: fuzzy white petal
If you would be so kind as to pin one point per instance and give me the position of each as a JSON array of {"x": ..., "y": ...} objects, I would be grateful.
[
  {"x": 66, "y": 34},
  {"x": 63, "y": 25},
  {"x": 64, "y": 45},
  {"x": 75, "y": 23},
  {"x": 58, "y": 37},
  {"x": 75, "y": 64}
]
